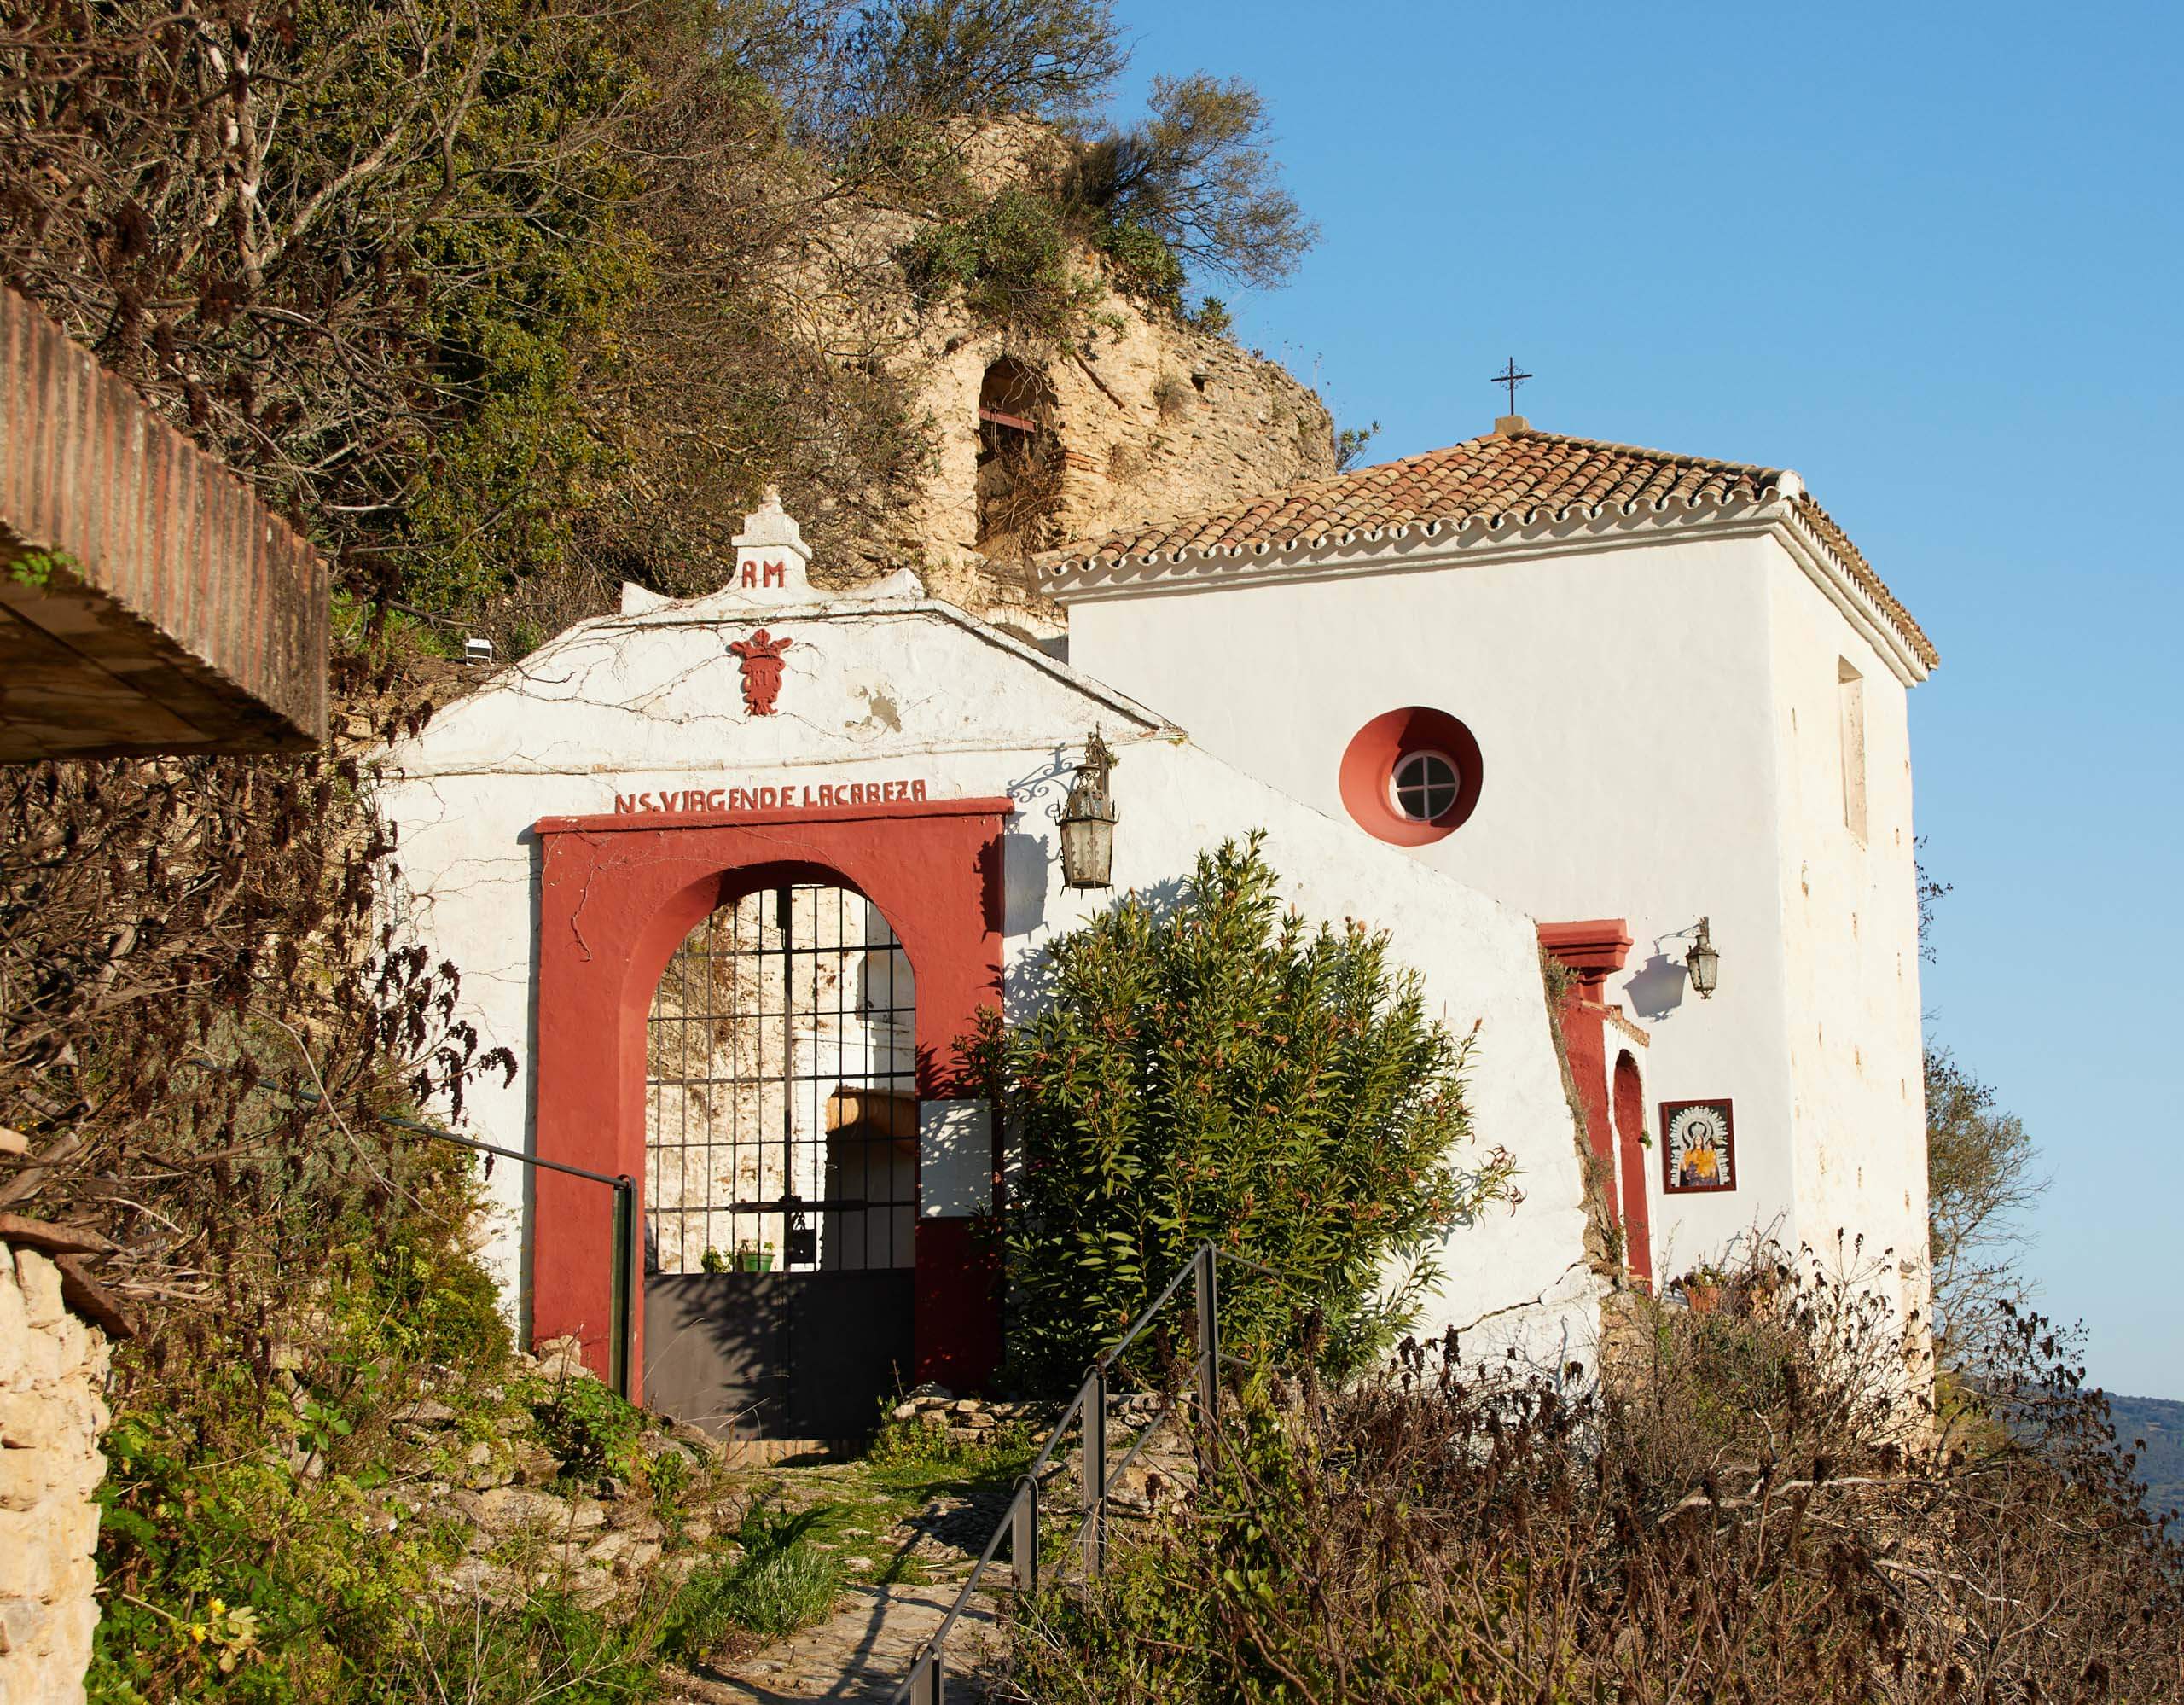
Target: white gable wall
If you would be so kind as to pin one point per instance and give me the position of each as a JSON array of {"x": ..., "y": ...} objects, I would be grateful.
[
  {"x": 1626, "y": 702},
  {"x": 894, "y": 689},
  {"x": 1851, "y": 924}
]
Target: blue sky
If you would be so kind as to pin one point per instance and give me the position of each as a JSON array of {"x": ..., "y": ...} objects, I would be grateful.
[{"x": 1928, "y": 257}]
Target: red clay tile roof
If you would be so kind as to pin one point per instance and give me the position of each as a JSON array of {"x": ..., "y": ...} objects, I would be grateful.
[{"x": 1516, "y": 477}]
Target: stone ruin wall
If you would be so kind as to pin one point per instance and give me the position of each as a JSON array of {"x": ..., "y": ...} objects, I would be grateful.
[
  {"x": 1154, "y": 418},
  {"x": 53, "y": 1371},
  {"x": 1154, "y": 421}
]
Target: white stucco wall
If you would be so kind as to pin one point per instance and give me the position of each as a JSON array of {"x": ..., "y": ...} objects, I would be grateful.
[
  {"x": 1630, "y": 705},
  {"x": 1850, "y": 925},
  {"x": 889, "y": 689}
]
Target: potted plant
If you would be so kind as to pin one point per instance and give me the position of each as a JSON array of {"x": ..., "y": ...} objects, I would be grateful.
[
  {"x": 752, "y": 1257},
  {"x": 1702, "y": 1288},
  {"x": 713, "y": 1261}
]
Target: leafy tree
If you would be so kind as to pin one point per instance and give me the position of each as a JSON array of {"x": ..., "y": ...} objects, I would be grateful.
[
  {"x": 1219, "y": 1068},
  {"x": 1196, "y": 172},
  {"x": 1980, "y": 1185},
  {"x": 350, "y": 247},
  {"x": 934, "y": 59}
]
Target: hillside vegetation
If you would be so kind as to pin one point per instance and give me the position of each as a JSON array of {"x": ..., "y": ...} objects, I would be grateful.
[
  {"x": 500, "y": 301},
  {"x": 1747, "y": 1508},
  {"x": 2159, "y": 1423}
]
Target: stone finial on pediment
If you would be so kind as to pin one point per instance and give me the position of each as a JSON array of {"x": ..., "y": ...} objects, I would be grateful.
[{"x": 771, "y": 558}]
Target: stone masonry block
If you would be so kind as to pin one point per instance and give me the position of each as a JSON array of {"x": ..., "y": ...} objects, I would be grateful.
[
  {"x": 39, "y": 1420},
  {"x": 75, "y": 1340},
  {"x": 27, "y": 1476},
  {"x": 15, "y": 1330},
  {"x": 27, "y": 1551},
  {"x": 22, "y": 1620},
  {"x": 40, "y": 1363},
  {"x": 41, "y": 1283}
]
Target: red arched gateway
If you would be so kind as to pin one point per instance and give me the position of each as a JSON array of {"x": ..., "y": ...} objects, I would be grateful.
[{"x": 619, "y": 894}]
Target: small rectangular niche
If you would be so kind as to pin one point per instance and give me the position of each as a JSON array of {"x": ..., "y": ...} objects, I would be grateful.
[{"x": 1850, "y": 715}]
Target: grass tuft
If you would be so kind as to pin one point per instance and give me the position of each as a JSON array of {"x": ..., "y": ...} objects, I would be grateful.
[{"x": 782, "y": 1582}]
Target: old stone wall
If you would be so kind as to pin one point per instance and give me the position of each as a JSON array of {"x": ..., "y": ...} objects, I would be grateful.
[
  {"x": 1139, "y": 415},
  {"x": 1152, "y": 420},
  {"x": 52, "y": 1370}
]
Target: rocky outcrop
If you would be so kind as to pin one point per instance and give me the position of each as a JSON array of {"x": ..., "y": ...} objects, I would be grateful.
[{"x": 1136, "y": 415}]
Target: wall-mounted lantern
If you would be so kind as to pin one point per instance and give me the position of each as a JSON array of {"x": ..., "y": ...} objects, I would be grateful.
[
  {"x": 1703, "y": 964},
  {"x": 1088, "y": 821}
]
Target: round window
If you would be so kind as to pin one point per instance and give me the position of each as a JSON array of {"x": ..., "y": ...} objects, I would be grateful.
[
  {"x": 1424, "y": 786},
  {"x": 1410, "y": 777}
]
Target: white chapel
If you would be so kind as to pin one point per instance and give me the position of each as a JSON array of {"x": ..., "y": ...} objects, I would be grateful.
[{"x": 729, "y": 876}]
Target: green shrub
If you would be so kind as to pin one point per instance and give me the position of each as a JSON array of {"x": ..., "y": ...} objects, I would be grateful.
[
  {"x": 669, "y": 1476},
  {"x": 1212, "y": 316},
  {"x": 593, "y": 1431},
  {"x": 440, "y": 1305},
  {"x": 920, "y": 1449},
  {"x": 244, "y": 1546},
  {"x": 1219, "y": 1068},
  {"x": 1142, "y": 256},
  {"x": 1010, "y": 258},
  {"x": 543, "y": 1648}
]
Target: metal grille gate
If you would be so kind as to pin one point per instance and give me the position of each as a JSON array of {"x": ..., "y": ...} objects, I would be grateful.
[{"x": 780, "y": 1168}]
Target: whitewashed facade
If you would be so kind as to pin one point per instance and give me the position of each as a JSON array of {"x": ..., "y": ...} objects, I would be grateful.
[
  {"x": 1685, "y": 706},
  {"x": 903, "y": 704}
]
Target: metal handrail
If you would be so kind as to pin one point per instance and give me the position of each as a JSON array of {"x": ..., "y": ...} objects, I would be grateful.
[
  {"x": 622, "y": 1290},
  {"x": 926, "y": 1683}
]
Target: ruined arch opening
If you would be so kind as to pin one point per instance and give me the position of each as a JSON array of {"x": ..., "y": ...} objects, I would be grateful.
[{"x": 1019, "y": 461}]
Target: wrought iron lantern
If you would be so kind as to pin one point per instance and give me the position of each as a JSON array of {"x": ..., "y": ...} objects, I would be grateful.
[
  {"x": 1088, "y": 821},
  {"x": 1703, "y": 964}
]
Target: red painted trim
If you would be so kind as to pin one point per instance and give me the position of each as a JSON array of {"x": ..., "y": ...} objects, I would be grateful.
[
  {"x": 1584, "y": 1040},
  {"x": 617, "y": 896},
  {"x": 1595, "y": 948},
  {"x": 1370, "y": 760},
  {"x": 957, "y": 1289},
  {"x": 1629, "y": 1091},
  {"x": 1596, "y": 942}
]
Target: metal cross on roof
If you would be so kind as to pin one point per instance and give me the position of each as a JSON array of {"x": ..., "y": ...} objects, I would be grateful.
[{"x": 1511, "y": 378}]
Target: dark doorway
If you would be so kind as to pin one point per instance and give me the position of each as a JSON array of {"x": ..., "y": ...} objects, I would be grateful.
[
  {"x": 1019, "y": 461},
  {"x": 780, "y": 1163}
]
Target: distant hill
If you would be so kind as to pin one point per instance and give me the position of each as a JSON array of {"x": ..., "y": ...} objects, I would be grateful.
[{"x": 2161, "y": 1464}]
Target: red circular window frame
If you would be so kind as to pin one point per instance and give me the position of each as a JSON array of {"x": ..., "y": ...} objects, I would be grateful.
[{"x": 1368, "y": 764}]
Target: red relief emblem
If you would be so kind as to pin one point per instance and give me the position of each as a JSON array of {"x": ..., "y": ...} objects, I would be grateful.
[{"x": 762, "y": 670}]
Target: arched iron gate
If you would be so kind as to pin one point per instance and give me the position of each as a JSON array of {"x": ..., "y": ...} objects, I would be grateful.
[{"x": 781, "y": 1168}]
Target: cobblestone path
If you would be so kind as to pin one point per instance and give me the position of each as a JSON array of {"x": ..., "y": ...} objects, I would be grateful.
[{"x": 861, "y": 1654}]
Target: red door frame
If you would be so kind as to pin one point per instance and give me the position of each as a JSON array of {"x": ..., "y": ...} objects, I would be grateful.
[
  {"x": 1594, "y": 949},
  {"x": 617, "y": 895},
  {"x": 1630, "y": 1133}
]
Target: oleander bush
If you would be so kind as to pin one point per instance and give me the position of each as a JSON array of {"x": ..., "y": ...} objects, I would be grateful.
[{"x": 1215, "y": 1068}]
